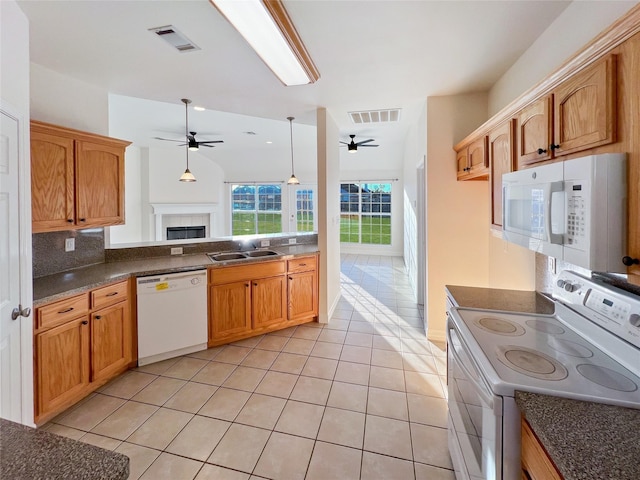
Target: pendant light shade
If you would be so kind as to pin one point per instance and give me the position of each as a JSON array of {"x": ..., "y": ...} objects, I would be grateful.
[
  {"x": 293, "y": 180},
  {"x": 187, "y": 176}
]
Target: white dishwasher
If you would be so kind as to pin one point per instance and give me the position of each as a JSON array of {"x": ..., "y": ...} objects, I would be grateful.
[{"x": 172, "y": 315}]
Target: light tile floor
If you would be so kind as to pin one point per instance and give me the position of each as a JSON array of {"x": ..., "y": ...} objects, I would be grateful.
[{"x": 360, "y": 398}]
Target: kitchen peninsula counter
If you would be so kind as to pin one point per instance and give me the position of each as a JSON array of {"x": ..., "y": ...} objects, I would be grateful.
[
  {"x": 585, "y": 440},
  {"x": 498, "y": 299},
  {"x": 59, "y": 285},
  {"x": 27, "y": 454}
]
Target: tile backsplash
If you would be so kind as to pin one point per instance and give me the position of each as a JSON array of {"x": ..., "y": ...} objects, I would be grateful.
[{"x": 49, "y": 256}]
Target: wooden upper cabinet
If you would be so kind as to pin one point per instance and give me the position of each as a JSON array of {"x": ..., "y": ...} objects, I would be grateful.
[
  {"x": 52, "y": 182},
  {"x": 99, "y": 184},
  {"x": 585, "y": 108},
  {"x": 472, "y": 160},
  {"x": 501, "y": 159},
  {"x": 534, "y": 132},
  {"x": 77, "y": 179}
]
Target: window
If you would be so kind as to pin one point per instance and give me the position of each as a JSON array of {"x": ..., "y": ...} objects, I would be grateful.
[
  {"x": 365, "y": 213},
  {"x": 256, "y": 209},
  {"x": 304, "y": 210}
]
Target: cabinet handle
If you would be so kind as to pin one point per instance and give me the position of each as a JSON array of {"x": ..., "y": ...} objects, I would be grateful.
[
  {"x": 255, "y": 284},
  {"x": 98, "y": 317},
  {"x": 247, "y": 285},
  {"x": 303, "y": 264},
  {"x": 553, "y": 147},
  {"x": 541, "y": 151},
  {"x": 112, "y": 294},
  {"x": 628, "y": 261},
  {"x": 83, "y": 219},
  {"x": 70, "y": 220},
  {"x": 290, "y": 278},
  {"x": 85, "y": 322},
  {"x": 66, "y": 311}
]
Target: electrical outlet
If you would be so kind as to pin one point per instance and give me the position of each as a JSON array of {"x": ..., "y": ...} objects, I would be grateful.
[
  {"x": 176, "y": 250},
  {"x": 551, "y": 264},
  {"x": 69, "y": 244},
  {"x": 264, "y": 243},
  {"x": 292, "y": 241}
]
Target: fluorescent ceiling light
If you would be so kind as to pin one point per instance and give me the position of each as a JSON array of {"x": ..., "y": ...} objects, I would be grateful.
[{"x": 266, "y": 26}]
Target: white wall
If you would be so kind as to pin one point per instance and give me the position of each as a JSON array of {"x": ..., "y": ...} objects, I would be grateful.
[
  {"x": 457, "y": 212},
  {"x": 572, "y": 29},
  {"x": 65, "y": 101},
  {"x": 414, "y": 154},
  {"x": 328, "y": 214},
  {"x": 14, "y": 97}
]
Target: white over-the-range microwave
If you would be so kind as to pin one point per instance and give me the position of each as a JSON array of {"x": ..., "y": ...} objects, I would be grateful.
[{"x": 573, "y": 210}]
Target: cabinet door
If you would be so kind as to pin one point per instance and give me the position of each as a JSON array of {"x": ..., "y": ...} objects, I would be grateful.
[
  {"x": 62, "y": 365},
  {"x": 268, "y": 301},
  {"x": 478, "y": 159},
  {"x": 99, "y": 184},
  {"x": 462, "y": 163},
  {"x": 229, "y": 309},
  {"x": 303, "y": 295},
  {"x": 536, "y": 465},
  {"x": 501, "y": 161},
  {"x": 110, "y": 340},
  {"x": 584, "y": 109},
  {"x": 534, "y": 129},
  {"x": 52, "y": 182}
]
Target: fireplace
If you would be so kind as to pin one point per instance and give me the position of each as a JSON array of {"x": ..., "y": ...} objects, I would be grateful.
[
  {"x": 185, "y": 220},
  {"x": 182, "y": 233}
]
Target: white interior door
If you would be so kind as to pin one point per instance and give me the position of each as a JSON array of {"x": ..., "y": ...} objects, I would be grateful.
[
  {"x": 10, "y": 328},
  {"x": 303, "y": 213}
]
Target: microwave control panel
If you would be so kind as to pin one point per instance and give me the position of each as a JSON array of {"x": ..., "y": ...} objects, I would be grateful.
[{"x": 576, "y": 215}]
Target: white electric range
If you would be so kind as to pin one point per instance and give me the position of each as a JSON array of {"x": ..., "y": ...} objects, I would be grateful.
[{"x": 589, "y": 349}]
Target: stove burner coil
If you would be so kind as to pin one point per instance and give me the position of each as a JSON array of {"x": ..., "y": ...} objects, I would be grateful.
[
  {"x": 545, "y": 327},
  {"x": 499, "y": 326},
  {"x": 531, "y": 363},
  {"x": 606, "y": 377},
  {"x": 570, "y": 348}
]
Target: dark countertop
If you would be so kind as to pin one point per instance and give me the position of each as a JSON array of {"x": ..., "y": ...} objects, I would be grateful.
[
  {"x": 30, "y": 454},
  {"x": 498, "y": 299},
  {"x": 585, "y": 440},
  {"x": 60, "y": 285}
]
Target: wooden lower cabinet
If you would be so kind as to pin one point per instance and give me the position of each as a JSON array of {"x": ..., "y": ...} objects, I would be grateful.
[
  {"x": 252, "y": 299},
  {"x": 229, "y": 309},
  {"x": 110, "y": 341},
  {"x": 62, "y": 366},
  {"x": 536, "y": 464},
  {"x": 79, "y": 345}
]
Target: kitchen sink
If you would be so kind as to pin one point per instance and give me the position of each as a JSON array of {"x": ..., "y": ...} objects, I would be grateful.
[
  {"x": 225, "y": 256},
  {"x": 260, "y": 253}
]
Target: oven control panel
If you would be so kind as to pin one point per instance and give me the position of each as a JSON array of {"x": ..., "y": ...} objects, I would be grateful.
[{"x": 611, "y": 308}]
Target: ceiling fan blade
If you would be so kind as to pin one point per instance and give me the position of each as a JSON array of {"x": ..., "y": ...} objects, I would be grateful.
[
  {"x": 167, "y": 139},
  {"x": 200, "y": 144},
  {"x": 210, "y": 141},
  {"x": 368, "y": 145},
  {"x": 365, "y": 141},
  {"x": 344, "y": 143}
]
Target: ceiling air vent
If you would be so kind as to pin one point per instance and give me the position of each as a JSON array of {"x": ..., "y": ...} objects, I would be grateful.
[
  {"x": 174, "y": 38},
  {"x": 388, "y": 115}
]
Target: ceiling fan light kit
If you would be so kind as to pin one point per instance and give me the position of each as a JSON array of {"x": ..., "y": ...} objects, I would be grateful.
[
  {"x": 267, "y": 28},
  {"x": 293, "y": 180}
]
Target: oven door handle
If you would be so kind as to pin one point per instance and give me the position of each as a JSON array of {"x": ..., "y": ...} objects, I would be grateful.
[{"x": 480, "y": 385}]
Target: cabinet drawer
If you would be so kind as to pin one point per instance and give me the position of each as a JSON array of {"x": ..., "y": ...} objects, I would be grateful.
[
  {"x": 246, "y": 272},
  {"x": 60, "y": 312},
  {"x": 108, "y": 295},
  {"x": 301, "y": 264}
]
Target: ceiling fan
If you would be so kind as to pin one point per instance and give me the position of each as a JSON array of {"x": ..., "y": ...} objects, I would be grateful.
[
  {"x": 192, "y": 143},
  {"x": 352, "y": 147}
]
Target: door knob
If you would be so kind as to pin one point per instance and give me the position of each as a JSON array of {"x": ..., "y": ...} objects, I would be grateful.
[
  {"x": 20, "y": 312},
  {"x": 628, "y": 261}
]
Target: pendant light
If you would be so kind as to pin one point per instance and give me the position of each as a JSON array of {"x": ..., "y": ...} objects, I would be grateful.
[
  {"x": 187, "y": 176},
  {"x": 292, "y": 180}
]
